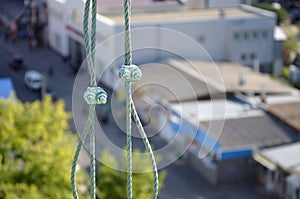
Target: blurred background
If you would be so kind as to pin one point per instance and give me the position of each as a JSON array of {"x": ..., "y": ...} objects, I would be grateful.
[{"x": 219, "y": 98}]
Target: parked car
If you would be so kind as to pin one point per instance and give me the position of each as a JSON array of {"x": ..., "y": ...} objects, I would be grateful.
[
  {"x": 294, "y": 14},
  {"x": 33, "y": 80},
  {"x": 16, "y": 62}
]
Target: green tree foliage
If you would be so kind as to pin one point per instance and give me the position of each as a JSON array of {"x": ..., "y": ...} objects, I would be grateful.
[
  {"x": 111, "y": 183},
  {"x": 286, "y": 73},
  {"x": 297, "y": 84},
  {"x": 282, "y": 14},
  {"x": 36, "y": 150},
  {"x": 291, "y": 44}
]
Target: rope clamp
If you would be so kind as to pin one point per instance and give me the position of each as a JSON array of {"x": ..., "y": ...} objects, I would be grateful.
[
  {"x": 130, "y": 73},
  {"x": 95, "y": 95}
]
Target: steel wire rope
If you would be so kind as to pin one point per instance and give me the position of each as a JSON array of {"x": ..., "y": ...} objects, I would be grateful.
[
  {"x": 89, "y": 126},
  {"x": 130, "y": 110}
]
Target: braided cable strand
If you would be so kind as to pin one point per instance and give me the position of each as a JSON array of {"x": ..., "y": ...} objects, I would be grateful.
[
  {"x": 77, "y": 153},
  {"x": 88, "y": 45},
  {"x": 93, "y": 41},
  {"x": 89, "y": 126},
  {"x": 128, "y": 139},
  {"x": 128, "y": 61},
  {"x": 92, "y": 155},
  {"x": 148, "y": 148},
  {"x": 93, "y": 83},
  {"x": 130, "y": 109},
  {"x": 86, "y": 31},
  {"x": 127, "y": 15}
]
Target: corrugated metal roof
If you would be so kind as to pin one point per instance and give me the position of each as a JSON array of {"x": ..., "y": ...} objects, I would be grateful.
[
  {"x": 171, "y": 84},
  {"x": 287, "y": 157},
  {"x": 288, "y": 113},
  {"x": 151, "y": 14},
  {"x": 228, "y": 74},
  {"x": 250, "y": 132},
  {"x": 117, "y": 5}
]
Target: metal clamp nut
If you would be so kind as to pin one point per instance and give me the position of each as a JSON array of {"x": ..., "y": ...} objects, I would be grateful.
[
  {"x": 130, "y": 73},
  {"x": 95, "y": 95}
]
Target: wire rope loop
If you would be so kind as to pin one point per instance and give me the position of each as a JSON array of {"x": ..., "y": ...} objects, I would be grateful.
[{"x": 93, "y": 95}]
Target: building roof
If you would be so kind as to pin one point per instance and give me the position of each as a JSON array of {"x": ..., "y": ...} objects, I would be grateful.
[
  {"x": 244, "y": 127},
  {"x": 231, "y": 74},
  {"x": 287, "y": 157},
  {"x": 116, "y": 6},
  {"x": 182, "y": 81},
  {"x": 172, "y": 85},
  {"x": 279, "y": 34},
  {"x": 184, "y": 15},
  {"x": 278, "y": 99},
  {"x": 7, "y": 87},
  {"x": 250, "y": 132},
  {"x": 289, "y": 113},
  {"x": 216, "y": 109}
]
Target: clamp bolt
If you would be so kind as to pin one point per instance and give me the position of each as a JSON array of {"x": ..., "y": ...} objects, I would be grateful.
[
  {"x": 95, "y": 95},
  {"x": 130, "y": 73}
]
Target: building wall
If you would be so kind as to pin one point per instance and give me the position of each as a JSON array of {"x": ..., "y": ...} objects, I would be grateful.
[
  {"x": 209, "y": 34},
  {"x": 278, "y": 53},
  {"x": 292, "y": 186},
  {"x": 224, "y": 171},
  {"x": 223, "y": 3},
  {"x": 207, "y": 170},
  {"x": 251, "y": 39},
  {"x": 274, "y": 181},
  {"x": 58, "y": 40},
  {"x": 236, "y": 170},
  {"x": 240, "y": 40}
]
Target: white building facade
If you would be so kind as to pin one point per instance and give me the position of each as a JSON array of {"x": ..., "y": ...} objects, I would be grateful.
[{"x": 237, "y": 34}]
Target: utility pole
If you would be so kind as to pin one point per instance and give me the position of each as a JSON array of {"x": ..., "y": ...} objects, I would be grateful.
[
  {"x": 44, "y": 86},
  {"x": 33, "y": 22},
  {"x": 33, "y": 13}
]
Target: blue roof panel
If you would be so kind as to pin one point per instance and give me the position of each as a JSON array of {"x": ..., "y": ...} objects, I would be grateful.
[
  {"x": 6, "y": 87},
  {"x": 235, "y": 153}
]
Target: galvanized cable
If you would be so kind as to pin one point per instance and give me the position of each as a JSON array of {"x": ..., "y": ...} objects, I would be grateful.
[
  {"x": 93, "y": 83},
  {"x": 90, "y": 45},
  {"x": 127, "y": 16},
  {"x": 92, "y": 155},
  {"x": 130, "y": 73},
  {"x": 148, "y": 148},
  {"x": 93, "y": 37},
  {"x": 127, "y": 62},
  {"x": 128, "y": 139},
  {"x": 77, "y": 153},
  {"x": 93, "y": 95}
]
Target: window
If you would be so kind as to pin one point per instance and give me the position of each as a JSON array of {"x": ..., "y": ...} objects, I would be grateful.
[
  {"x": 253, "y": 56},
  {"x": 265, "y": 34},
  {"x": 243, "y": 57},
  {"x": 236, "y": 36},
  {"x": 255, "y": 35},
  {"x": 201, "y": 39},
  {"x": 57, "y": 40},
  {"x": 246, "y": 35}
]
